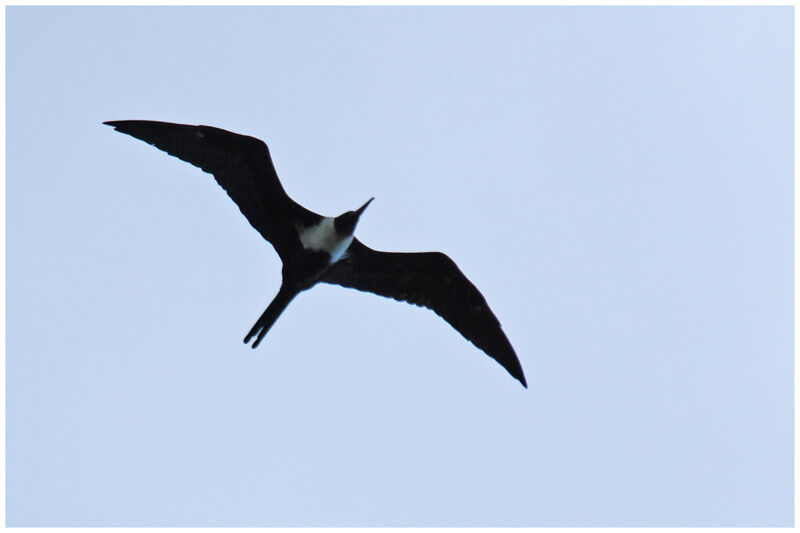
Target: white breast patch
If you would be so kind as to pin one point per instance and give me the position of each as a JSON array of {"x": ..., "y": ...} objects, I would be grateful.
[{"x": 323, "y": 237}]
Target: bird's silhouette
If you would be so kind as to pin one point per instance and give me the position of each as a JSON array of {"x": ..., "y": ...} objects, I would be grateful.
[{"x": 316, "y": 249}]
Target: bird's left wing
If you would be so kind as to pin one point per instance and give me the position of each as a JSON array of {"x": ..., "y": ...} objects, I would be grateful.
[
  {"x": 432, "y": 280},
  {"x": 240, "y": 164}
]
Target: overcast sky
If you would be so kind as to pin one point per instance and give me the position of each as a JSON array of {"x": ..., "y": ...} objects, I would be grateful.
[{"x": 616, "y": 181}]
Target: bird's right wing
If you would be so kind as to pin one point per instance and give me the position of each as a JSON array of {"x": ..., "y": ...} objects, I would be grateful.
[
  {"x": 432, "y": 280},
  {"x": 240, "y": 164}
]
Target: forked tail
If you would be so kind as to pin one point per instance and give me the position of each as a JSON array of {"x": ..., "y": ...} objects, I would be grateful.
[{"x": 271, "y": 314}]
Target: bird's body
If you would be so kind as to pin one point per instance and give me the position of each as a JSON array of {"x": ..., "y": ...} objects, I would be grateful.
[{"x": 314, "y": 248}]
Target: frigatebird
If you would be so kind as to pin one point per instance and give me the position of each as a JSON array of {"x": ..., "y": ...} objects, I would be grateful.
[{"x": 315, "y": 248}]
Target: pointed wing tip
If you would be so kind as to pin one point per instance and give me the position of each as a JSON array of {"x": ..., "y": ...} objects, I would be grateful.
[
  {"x": 514, "y": 368},
  {"x": 125, "y": 125},
  {"x": 116, "y": 124}
]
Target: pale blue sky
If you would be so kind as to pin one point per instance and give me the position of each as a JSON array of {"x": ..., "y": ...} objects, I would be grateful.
[{"x": 616, "y": 181}]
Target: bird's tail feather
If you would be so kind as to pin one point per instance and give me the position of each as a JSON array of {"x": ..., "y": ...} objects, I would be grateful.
[{"x": 270, "y": 315}]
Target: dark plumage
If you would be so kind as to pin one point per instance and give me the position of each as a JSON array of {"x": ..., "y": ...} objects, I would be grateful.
[{"x": 317, "y": 249}]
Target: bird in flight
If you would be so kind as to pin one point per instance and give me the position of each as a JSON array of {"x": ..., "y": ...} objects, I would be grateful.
[{"x": 315, "y": 248}]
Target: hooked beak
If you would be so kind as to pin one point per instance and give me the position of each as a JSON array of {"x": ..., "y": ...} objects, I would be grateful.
[{"x": 363, "y": 207}]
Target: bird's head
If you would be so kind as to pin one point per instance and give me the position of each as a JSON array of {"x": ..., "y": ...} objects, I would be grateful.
[{"x": 346, "y": 223}]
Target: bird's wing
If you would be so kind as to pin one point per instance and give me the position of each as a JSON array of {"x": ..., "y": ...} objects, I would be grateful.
[
  {"x": 240, "y": 164},
  {"x": 432, "y": 280}
]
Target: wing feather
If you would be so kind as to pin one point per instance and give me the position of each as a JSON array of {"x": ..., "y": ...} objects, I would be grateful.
[
  {"x": 432, "y": 280},
  {"x": 241, "y": 165}
]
